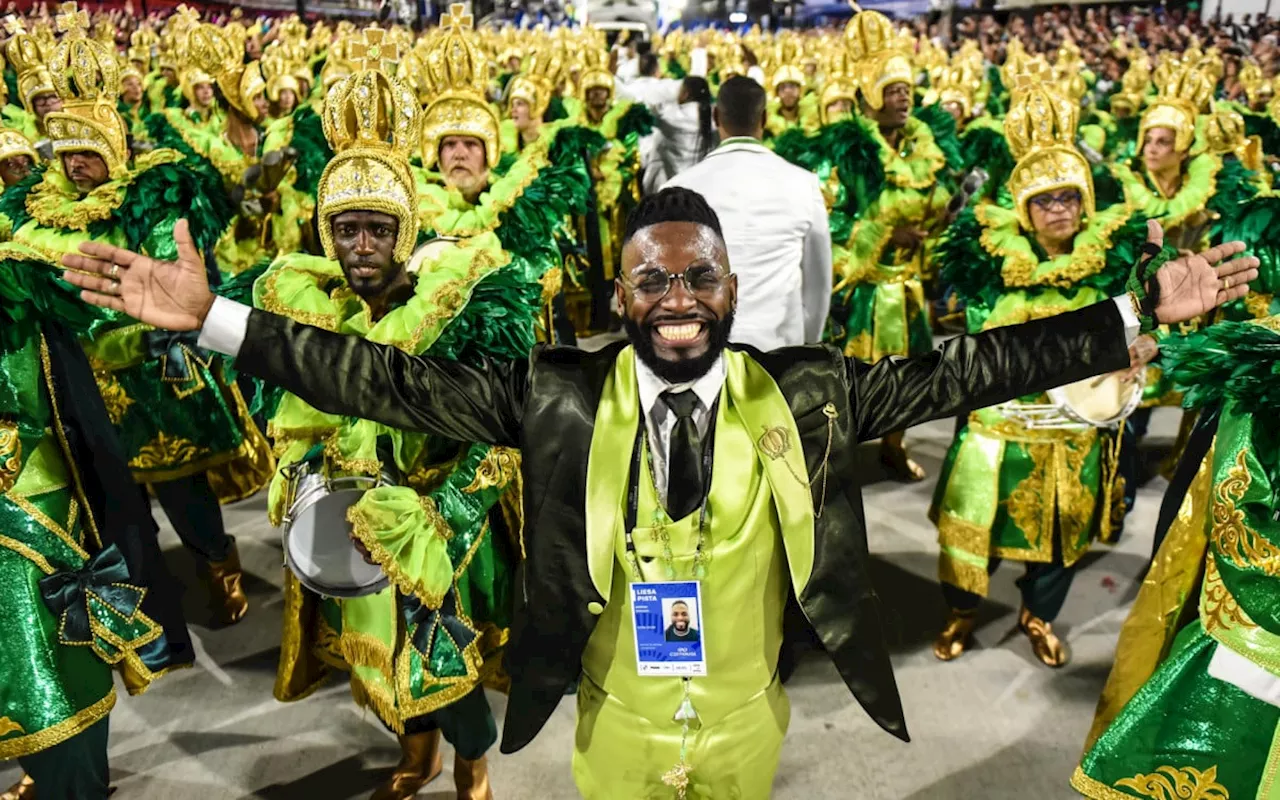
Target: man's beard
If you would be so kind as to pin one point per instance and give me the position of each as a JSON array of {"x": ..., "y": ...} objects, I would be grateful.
[{"x": 687, "y": 370}]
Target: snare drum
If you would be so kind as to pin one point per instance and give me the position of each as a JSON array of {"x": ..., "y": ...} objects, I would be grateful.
[
  {"x": 1103, "y": 401},
  {"x": 317, "y": 537}
]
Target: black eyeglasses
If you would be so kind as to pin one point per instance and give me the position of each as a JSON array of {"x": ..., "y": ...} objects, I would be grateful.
[
  {"x": 1065, "y": 200},
  {"x": 651, "y": 285}
]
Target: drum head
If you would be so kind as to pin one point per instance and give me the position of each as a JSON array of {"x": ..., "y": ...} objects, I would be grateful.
[
  {"x": 320, "y": 552},
  {"x": 1102, "y": 402}
]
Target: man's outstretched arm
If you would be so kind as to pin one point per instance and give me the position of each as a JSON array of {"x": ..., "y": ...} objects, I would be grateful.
[
  {"x": 986, "y": 369},
  {"x": 337, "y": 374}
]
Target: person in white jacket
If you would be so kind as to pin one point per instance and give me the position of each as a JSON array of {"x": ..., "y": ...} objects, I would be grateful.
[{"x": 775, "y": 222}]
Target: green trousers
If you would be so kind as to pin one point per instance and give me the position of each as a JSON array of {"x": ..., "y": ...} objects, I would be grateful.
[
  {"x": 76, "y": 769},
  {"x": 467, "y": 724}
]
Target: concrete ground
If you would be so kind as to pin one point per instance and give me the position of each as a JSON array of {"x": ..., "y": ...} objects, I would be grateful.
[{"x": 995, "y": 724}]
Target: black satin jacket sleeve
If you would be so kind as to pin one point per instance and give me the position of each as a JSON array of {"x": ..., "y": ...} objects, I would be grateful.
[
  {"x": 970, "y": 372},
  {"x": 350, "y": 376}
]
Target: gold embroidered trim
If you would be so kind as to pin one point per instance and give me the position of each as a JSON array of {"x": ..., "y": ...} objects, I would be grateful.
[
  {"x": 1172, "y": 783},
  {"x": 56, "y": 734},
  {"x": 1018, "y": 269},
  {"x": 271, "y": 302},
  {"x": 1231, "y": 537},
  {"x": 8, "y": 726},
  {"x": 27, "y": 553},
  {"x": 164, "y": 450},
  {"x": 498, "y": 468},
  {"x": 46, "y": 522},
  {"x": 10, "y": 455},
  {"x": 1219, "y": 610}
]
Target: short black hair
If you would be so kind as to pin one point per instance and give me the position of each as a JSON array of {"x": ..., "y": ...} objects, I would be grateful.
[
  {"x": 740, "y": 106},
  {"x": 648, "y": 65},
  {"x": 673, "y": 204}
]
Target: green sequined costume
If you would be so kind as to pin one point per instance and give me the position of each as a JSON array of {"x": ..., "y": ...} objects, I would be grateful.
[
  {"x": 1187, "y": 732},
  {"x": 448, "y": 537},
  {"x": 77, "y": 558},
  {"x": 1007, "y": 490},
  {"x": 175, "y": 409}
]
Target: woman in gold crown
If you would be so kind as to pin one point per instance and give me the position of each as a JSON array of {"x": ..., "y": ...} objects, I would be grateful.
[{"x": 1010, "y": 489}]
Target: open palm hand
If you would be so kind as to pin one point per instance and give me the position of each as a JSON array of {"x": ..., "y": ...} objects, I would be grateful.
[
  {"x": 173, "y": 295},
  {"x": 1196, "y": 284}
]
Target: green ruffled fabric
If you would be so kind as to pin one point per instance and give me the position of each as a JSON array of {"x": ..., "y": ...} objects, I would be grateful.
[
  {"x": 943, "y": 126},
  {"x": 984, "y": 145},
  {"x": 978, "y": 275},
  {"x": 674, "y": 70},
  {"x": 850, "y": 149},
  {"x": 1237, "y": 361},
  {"x": 31, "y": 293}
]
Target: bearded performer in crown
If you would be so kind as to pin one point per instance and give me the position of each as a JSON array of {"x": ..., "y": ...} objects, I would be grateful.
[
  {"x": 86, "y": 591},
  {"x": 1053, "y": 252},
  {"x": 182, "y": 424},
  {"x": 448, "y": 537}
]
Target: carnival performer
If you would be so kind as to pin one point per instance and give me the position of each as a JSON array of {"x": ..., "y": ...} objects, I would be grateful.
[
  {"x": 1190, "y": 707},
  {"x": 449, "y": 537},
  {"x": 86, "y": 590},
  {"x": 736, "y": 529},
  {"x": 441, "y": 537},
  {"x": 182, "y": 425},
  {"x": 34, "y": 82},
  {"x": 615, "y": 174},
  {"x": 1053, "y": 252},
  {"x": 271, "y": 213},
  {"x": 880, "y": 301}
]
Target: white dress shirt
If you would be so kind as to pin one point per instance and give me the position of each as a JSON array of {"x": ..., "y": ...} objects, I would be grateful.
[
  {"x": 775, "y": 225},
  {"x": 673, "y": 146},
  {"x": 660, "y": 420},
  {"x": 650, "y": 90}
]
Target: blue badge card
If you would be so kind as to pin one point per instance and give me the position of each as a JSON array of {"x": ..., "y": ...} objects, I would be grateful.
[{"x": 669, "y": 628}]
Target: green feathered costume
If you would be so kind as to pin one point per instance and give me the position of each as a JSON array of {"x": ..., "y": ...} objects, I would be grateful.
[
  {"x": 448, "y": 536},
  {"x": 175, "y": 408},
  {"x": 871, "y": 188},
  {"x": 1191, "y": 730},
  {"x": 1007, "y": 490},
  {"x": 246, "y": 241}
]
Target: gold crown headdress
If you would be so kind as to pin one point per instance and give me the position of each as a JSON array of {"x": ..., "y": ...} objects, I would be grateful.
[
  {"x": 140, "y": 43},
  {"x": 1041, "y": 130},
  {"x": 1224, "y": 133},
  {"x": 371, "y": 121},
  {"x": 279, "y": 76},
  {"x": 1182, "y": 91},
  {"x": 86, "y": 74},
  {"x": 1133, "y": 87},
  {"x": 129, "y": 70},
  {"x": 958, "y": 84},
  {"x": 538, "y": 81},
  {"x": 595, "y": 71},
  {"x": 14, "y": 143},
  {"x": 24, "y": 54},
  {"x": 878, "y": 51},
  {"x": 786, "y": 73},
  {"x": 1256, "y": 87},
  {"x": 213, "y": 51},
  {"x": 191, "y": 78},
  {"x": 459, "y": 73}
]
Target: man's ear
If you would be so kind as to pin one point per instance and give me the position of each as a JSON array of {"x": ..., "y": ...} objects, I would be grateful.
[{"x": 715, "y": 116}]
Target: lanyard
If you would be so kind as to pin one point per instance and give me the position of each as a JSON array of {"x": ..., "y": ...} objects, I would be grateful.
[{"x": 633, "y": 479}]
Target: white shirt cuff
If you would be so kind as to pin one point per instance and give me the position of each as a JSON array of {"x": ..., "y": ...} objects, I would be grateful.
[
  {"x": 225, "y": 327},
  {"x": 1231, "y": 667},
  {"x": 1131, "y": 322}
]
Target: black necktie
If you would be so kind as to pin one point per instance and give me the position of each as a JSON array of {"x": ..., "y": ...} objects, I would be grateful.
[{"x": 684, "y": 467}]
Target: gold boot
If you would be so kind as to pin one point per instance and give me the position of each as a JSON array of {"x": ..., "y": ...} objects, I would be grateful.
[
  {"x": 419, "y": 765},
  {"x": 24, "y": 789},
  {"x": 954, "y": 638},
  {"x": 1047, "y": 646},
  {"x": 472, "y": 778},
  {"x": 226, "y": 597},
  {"x": 893, "y": 454}
]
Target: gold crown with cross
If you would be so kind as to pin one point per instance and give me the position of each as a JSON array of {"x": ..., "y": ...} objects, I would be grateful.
[
  {"x": 86, "y": 75},
  {"x": 458, "y": 71},
  {"x": 371, "y": 120},
  {"x": 1041, "y": 130}
]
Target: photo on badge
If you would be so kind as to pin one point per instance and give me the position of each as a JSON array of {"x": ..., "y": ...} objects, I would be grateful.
[{"x": 669, "y": 628}]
